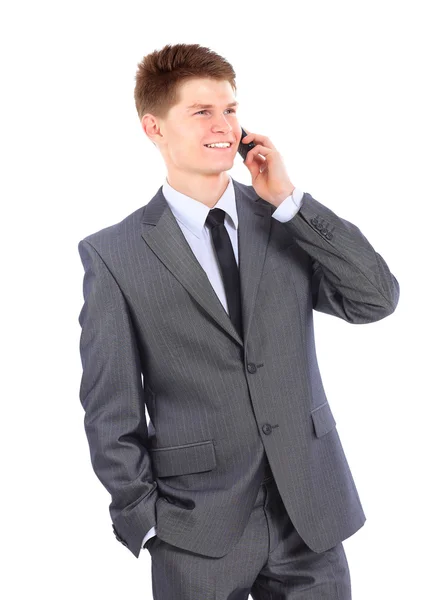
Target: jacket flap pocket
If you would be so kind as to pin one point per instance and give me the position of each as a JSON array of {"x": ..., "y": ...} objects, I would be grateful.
[
  {"x": 180, "y": 460},
  {"x": 323, "y": 419}
]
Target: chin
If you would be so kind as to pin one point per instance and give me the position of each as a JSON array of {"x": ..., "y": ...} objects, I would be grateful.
[{"x": 220, "y": 168}]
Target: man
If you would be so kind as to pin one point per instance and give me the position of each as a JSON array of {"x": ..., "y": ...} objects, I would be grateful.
[{"x": 199, "y": 306}]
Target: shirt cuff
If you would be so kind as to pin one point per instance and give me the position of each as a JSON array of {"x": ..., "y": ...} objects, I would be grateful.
[
  {"x": 289, "y": 207},
  {"x": 148, "y": 535}
]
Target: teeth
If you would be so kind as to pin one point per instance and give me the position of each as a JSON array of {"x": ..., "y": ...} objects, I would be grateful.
[{"x": 220, "y": 145}]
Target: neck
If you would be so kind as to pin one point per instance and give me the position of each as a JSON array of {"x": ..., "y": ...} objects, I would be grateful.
[{"x": 206, "y": 189}]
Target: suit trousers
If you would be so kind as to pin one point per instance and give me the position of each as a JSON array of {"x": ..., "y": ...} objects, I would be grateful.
[{"x": 269, "y": 562}]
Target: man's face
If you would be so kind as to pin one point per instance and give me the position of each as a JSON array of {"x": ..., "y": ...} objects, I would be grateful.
[{"x": 187, "y": 129}]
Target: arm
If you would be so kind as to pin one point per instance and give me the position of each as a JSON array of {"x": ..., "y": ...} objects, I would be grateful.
[
  {"x": 112, "y": 396},
  {"x": 349, "y": 279}
]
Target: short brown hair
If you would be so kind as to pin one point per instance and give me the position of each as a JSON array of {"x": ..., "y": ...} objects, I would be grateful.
[{"x": 160, "y": 73}]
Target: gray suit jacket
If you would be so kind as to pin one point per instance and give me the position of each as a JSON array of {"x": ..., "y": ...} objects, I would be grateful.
[{"x": 155, "y": 335}]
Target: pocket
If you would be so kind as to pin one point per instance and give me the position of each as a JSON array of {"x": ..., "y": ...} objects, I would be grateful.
[
  {"x": 323, "y": 419},
  {"x": 183, "y": 459}
]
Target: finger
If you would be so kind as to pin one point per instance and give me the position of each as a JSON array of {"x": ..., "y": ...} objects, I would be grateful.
[
  {"x": 258, "y": 139},
  {"x": 259, "y": 149},
  {"x": 257, "y": 157}
]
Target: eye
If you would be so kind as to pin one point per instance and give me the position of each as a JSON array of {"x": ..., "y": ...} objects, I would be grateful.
[{"x": 203, "y": 111}]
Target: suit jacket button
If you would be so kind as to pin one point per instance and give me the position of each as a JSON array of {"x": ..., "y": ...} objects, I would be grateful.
[
  {"x": 267, "y": 428},
  {"x": 251, "y": 367}
]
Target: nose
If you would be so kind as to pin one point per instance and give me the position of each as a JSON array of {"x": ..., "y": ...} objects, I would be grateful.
[{"x": 222, "y": 125}]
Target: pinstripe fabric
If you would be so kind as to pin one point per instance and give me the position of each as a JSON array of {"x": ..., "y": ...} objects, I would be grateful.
[
  {"x": 269, "y": 561},
  {"x": 154, "y": 334}
]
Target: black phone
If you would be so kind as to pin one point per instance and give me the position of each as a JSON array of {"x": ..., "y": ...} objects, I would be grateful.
[{"x": 243, "y": 149}]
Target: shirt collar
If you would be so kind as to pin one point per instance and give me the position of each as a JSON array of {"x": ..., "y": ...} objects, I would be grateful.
[{"x": 192, "y": 213}]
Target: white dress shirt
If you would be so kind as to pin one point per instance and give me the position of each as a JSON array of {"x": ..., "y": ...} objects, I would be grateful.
[{"x": 191, "y": 216}]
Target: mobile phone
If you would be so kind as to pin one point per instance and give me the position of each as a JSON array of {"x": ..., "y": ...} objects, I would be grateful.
[{"x": 243, "y": 149}]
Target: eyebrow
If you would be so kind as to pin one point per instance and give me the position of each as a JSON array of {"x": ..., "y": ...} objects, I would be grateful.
[{"x": 197, "y": 105}]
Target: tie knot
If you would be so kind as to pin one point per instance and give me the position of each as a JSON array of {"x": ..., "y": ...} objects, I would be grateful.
[{"x": 215, "y": 217}]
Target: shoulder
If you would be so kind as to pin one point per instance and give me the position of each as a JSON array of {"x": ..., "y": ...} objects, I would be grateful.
[{"x": 114, "y": 236}]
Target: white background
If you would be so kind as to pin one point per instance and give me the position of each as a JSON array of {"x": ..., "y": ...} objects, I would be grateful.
[{"x": 351, "y": 94}]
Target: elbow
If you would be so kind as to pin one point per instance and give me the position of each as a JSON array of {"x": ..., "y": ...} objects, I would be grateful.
[{"x": 361, "y": 314}]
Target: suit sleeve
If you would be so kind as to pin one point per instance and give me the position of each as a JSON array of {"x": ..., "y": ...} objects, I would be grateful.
[
  {"x": 350, "y": 280},
  {"x": 111, "y": 394}
]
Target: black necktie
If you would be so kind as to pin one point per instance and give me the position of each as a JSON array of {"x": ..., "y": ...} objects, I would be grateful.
[{"x": 227, "y": 263}]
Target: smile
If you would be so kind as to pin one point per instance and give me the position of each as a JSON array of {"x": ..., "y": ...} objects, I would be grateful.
[{"x": 219, "y": 147}]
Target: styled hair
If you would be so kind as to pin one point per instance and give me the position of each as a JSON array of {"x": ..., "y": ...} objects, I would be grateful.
[{"x": 161, "y": 73}]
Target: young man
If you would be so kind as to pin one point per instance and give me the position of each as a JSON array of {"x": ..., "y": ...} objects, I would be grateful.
[{"x": 199, "y": 306}]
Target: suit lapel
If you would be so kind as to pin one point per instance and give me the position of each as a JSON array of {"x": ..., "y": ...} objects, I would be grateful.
[{"x": 164, "y": 236}]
